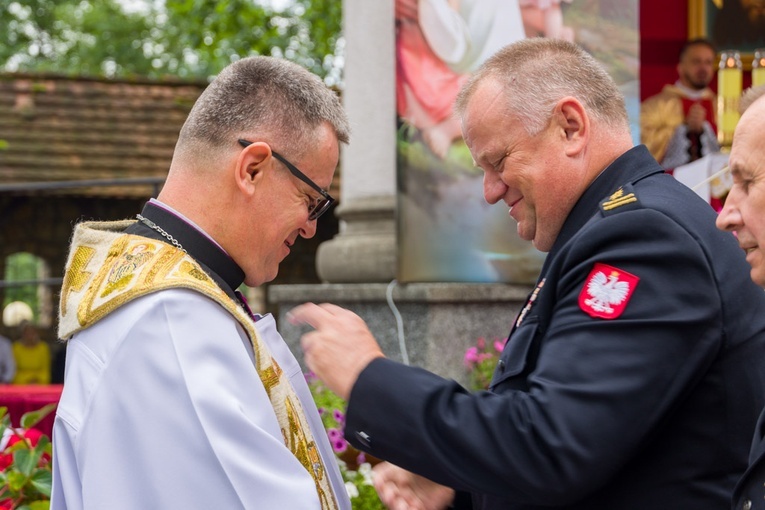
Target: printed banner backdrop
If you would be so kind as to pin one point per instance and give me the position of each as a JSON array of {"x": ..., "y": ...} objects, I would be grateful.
[{"x": 446, "y": 230}]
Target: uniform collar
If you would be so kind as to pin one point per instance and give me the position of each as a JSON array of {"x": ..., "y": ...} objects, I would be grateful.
[
  {"x": 630, "y": 167},
  {"x": 197, "y": 244}
]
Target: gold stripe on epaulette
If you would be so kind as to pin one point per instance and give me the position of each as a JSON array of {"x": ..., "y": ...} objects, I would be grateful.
[{"x": 613, "y": 204}]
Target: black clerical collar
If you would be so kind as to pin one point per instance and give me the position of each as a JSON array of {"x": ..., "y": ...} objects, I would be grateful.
[{"x": 204, "y": 250}]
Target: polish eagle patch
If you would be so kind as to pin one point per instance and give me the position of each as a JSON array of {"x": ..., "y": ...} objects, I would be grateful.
[{"x": 606, "y": 291}]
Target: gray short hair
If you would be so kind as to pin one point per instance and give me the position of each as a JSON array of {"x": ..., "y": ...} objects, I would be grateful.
[
  {"x": 538, "y": 72},
  {"x": 281, "y": 101},
  {"x": 751, "y": 95}
]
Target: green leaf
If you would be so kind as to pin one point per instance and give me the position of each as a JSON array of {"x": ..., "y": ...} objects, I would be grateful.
[
  {"x": 25, "y": 461},
  {"x": 32, "y": 418},
  {"x": 5, "y": 419},
  {"x": 43, "y": 445},
  {"x": 41, "y": 480},
  {"x": 39, "y": 505},
  {"x": 16, "y": 481}
]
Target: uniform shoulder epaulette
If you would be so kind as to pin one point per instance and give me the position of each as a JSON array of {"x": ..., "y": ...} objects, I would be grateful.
[{"x": 623, "y": 199}]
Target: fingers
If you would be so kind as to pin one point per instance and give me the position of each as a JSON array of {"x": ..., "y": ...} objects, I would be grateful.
[
  {"x": 307, "y": 313},
  {"x": 399, "y": 488},
  {"x": 315, "y": 315}
]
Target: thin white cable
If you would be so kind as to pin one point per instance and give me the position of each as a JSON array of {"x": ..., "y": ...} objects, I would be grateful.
[
  {"x": 711, "y": 177},
  {"x": 399, "y": 322}
]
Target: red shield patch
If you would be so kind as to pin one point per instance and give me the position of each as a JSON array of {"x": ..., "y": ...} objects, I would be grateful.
[{"x": 606, "y": 291}]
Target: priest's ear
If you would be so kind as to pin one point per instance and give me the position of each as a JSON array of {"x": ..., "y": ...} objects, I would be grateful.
[{"x": 251, "y": 163}]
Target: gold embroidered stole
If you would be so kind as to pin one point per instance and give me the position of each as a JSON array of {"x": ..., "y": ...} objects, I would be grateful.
[{"x": 107, "y": 268}]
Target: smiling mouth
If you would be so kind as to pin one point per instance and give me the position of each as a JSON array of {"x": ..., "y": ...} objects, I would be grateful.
[{"x": 513, "y": 204}]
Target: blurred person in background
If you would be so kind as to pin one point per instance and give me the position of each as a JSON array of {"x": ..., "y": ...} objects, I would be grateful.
[
  {"x": 32, "y": 357},
  {"x": 678, "y": 124},
  {"x": 7, "y": 360}
]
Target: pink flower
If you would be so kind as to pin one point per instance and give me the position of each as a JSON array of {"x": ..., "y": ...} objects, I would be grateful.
[
  {"x": 338, "y": 416},
  {"x": 471, "y": 355},
  {"x": 499, "y": 346},
  {"x": 361, "y": 458},
  {"x": 335, "y": 435},
  {"x": 481, "y": 343},
  {"x": 339, "y": 446}
]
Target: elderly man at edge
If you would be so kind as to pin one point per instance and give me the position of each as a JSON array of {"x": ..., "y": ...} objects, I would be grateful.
[
  {"x": 176, "y": 395},
  {"x": 744, "y": 214},
  {"x": 632, "y": 376}
]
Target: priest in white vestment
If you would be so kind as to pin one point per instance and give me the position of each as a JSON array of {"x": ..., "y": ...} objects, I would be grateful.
[{"x": 176, "y": 395}]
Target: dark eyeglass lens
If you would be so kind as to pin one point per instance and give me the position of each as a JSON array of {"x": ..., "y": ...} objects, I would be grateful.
[{"x": 319, "y": 209}]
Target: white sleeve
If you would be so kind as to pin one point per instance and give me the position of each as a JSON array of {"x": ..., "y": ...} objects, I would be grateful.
[
  {"x": 444, "y": 29},
  {"x": 465, "y": 39},
  {"x": 167, "y": 411}
]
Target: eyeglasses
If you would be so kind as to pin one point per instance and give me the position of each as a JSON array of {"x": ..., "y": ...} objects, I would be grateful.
[{"x": 317, "y": 208}]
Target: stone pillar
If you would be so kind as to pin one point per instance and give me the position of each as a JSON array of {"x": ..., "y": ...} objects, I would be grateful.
[{"x": 365, "y": 248}]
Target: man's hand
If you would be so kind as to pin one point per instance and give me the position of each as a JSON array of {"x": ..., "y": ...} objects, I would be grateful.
[
  {"x": 401, "y": 490},
  {"x": 340, "y": 347},
  {"x": 697, "y": 114}
]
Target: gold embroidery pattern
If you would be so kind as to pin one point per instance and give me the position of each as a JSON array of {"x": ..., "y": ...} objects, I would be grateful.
[
  {"x": 128, "y": 263},
  {"x": 76, "y": 277},
  {"x": 271, "y": 376},
  {"x": 82, "y": 313},
  {"x": 194, "y": 271},
  {"x": 305, "y": 451},
  {"x": 121, "y": 279},
  {"x": 162, "y": 273}
]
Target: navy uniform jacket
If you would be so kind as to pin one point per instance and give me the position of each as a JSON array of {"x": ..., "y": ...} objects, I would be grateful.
[
  {"x": 750, "y": 491},
  {"x": 654, "y": 408}
]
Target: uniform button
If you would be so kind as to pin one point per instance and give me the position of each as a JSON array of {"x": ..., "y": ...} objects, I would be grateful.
[
  {"x": 364, "y": 438},
  {"x": 501, "y": 366},
  {"x": 747, "y": 505}
]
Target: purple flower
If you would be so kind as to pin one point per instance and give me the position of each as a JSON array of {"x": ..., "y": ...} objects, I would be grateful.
[
  {"x": 334, "y": 435},
  {"x": 322, "y": 410},
  {"x": 361, "y": 458},
  {"x": 339, "y": 416},
  {"x": 340, "y": 445}
]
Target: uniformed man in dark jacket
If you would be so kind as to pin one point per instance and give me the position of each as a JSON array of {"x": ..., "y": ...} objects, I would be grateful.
[
  {"x": 634, "y": 374},
  {"x": 744, "y": 214}
]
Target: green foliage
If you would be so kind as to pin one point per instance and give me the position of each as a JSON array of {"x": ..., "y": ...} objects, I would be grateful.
[
  {"x": 25, "y": 483},
  {"x": 186, "y": 38},
  {"x": 20, "y": 267},
  {"x": 362, "y": 492}
]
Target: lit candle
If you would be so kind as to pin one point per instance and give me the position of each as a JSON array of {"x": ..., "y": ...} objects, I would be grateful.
[
  {"x": 729, "y": 82},
  {"x": 758, "y": 67}
]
